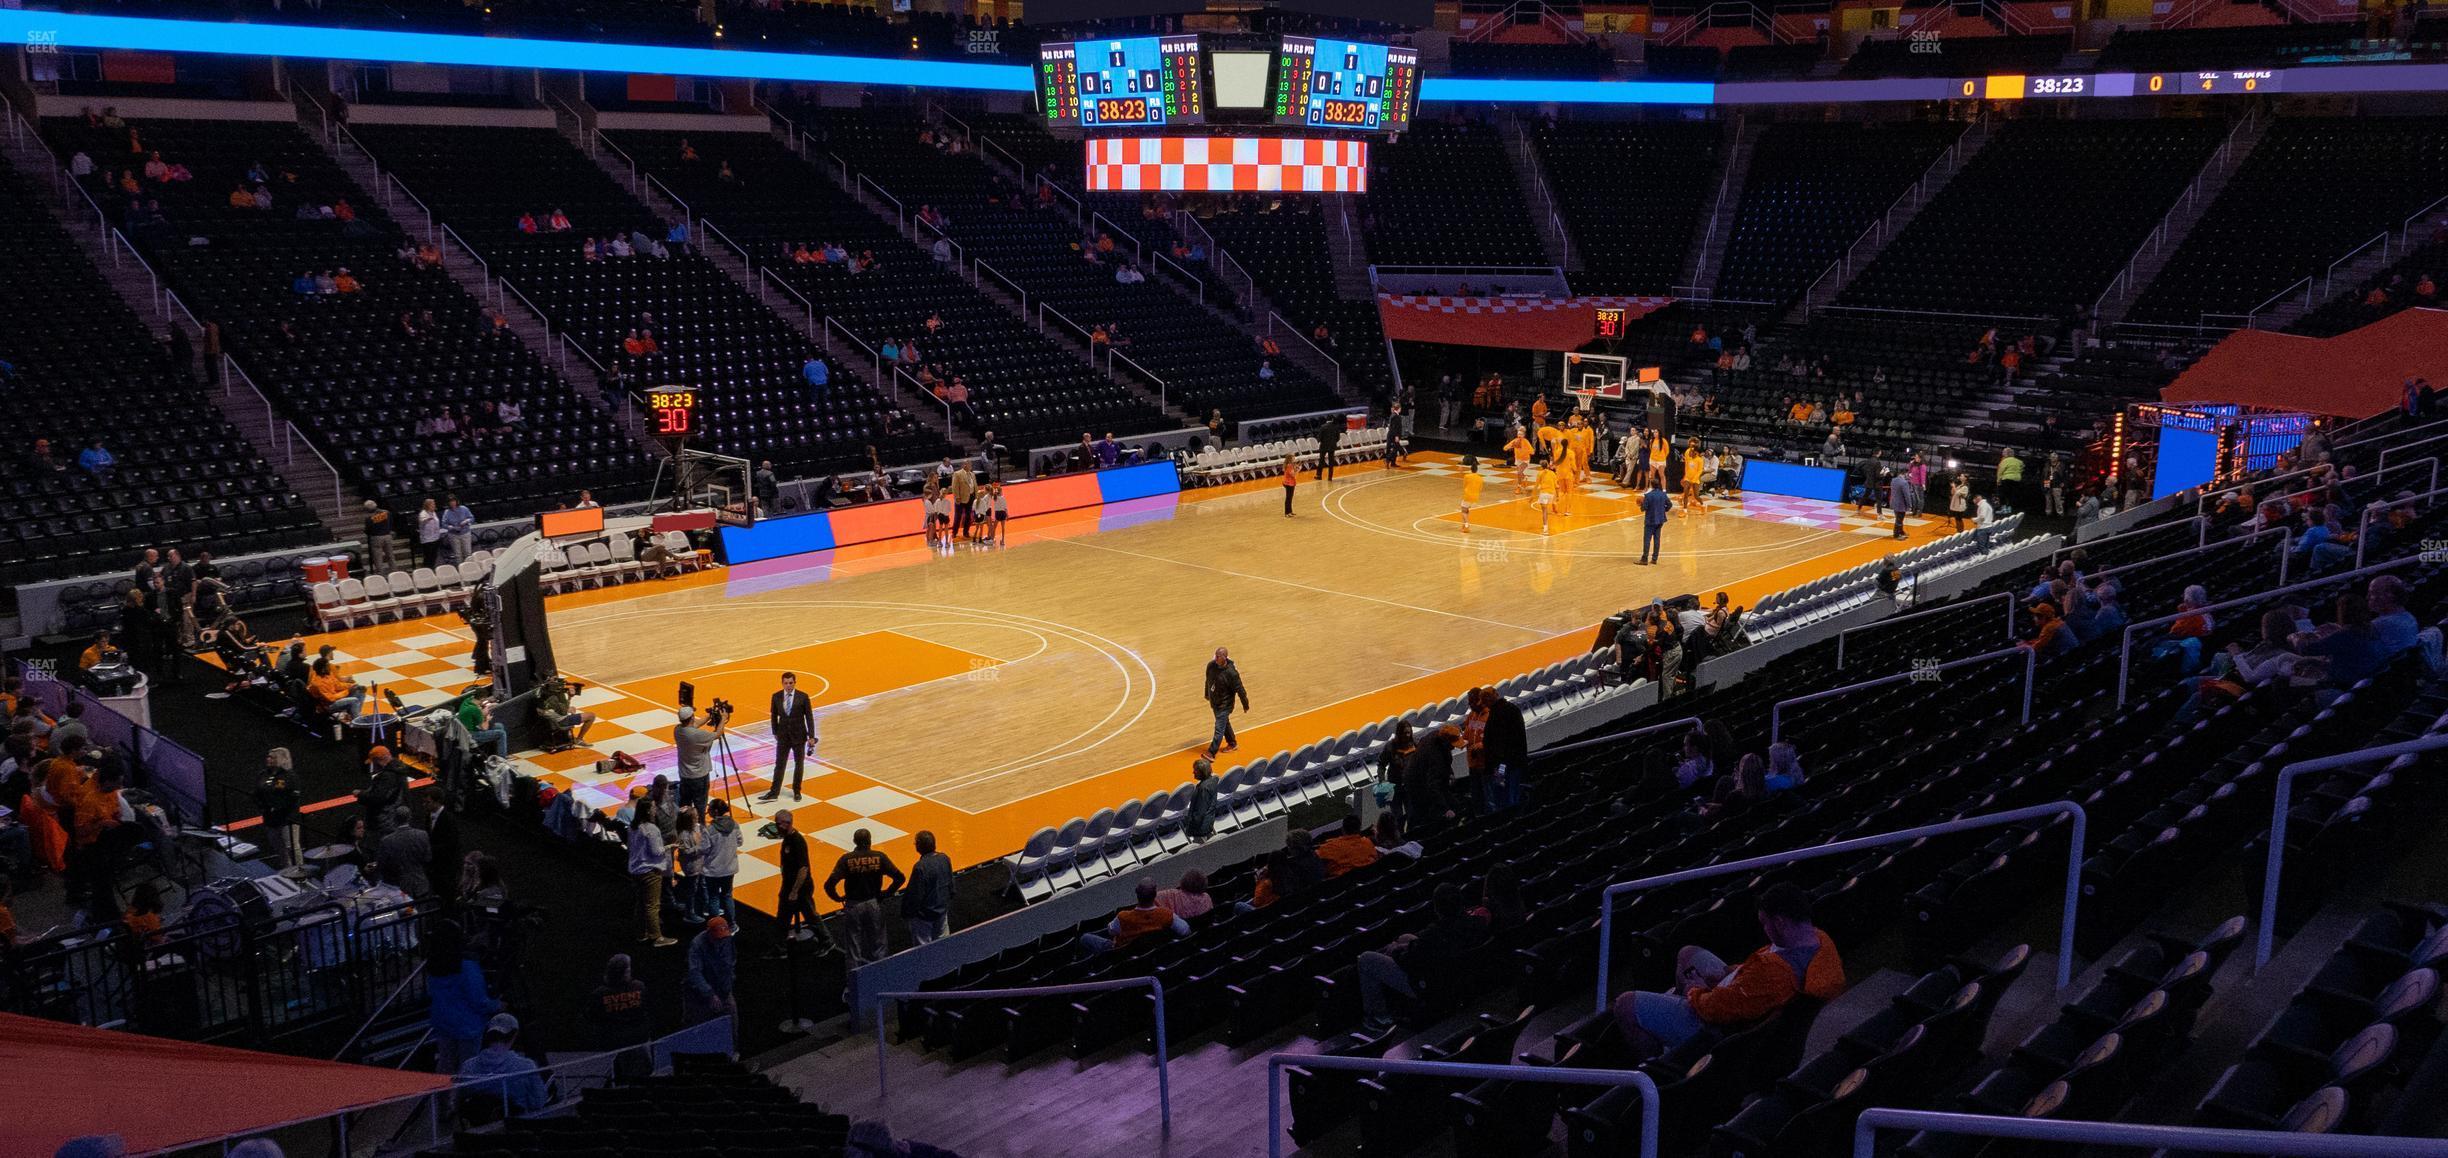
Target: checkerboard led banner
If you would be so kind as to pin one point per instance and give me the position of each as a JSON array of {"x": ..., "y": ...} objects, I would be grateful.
[{"x": 1241, "y": 164}]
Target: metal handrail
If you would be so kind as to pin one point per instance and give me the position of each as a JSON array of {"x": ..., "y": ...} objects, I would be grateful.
[
  {"x": 413, "y": 199},
  {"x": 981, "y": 267},
  {"x": 2073, "y": 884},
  {"x": 1138, "y": 247},
  {"x": 919, "y": 388},
  {"x": 725, "y": 238},
  {"x": 2286, "y": 546},
  {"x": 1079, "y": 212},
  {"x": 2201, "y": 505},
  {"x": 830, "y": 325},
  {"x": 1594, "y": 741},
  {"x": 231, "y": 372},
  {"x": 2363, "y": 520},
  {"x": 2329, "y": 277},
  {"x": 1842, "y": 267},
  {"x": 602, "y": 372},
  {"x": 368, "y": 1023},
  {"x": 2157, "y": 240},
  {"x": 1086, "y": 339},
  {"x": 1164, "y": 1074},
  {"x": 1186, "y": 275},
  {"x": 484, "y": 269},
  {"x": 2386, "y": 451},
  {"x": 1469, "y": 1071},
  {"x": 541, "y": 316},
  {"x": 960, "y": 254},
  {"x": 1273, "y": 317},
  {"x": 2031, "y": 661},
  {"x": 1163, "y": 392},
  {"x": 2267, "y": 938},
  {"x": 278, "y": 425},
  {"x": 985, "y": 143},
  {"x": 686, "y": 213},
  {"x": 2007, "y": 596},
  {"x": 2387, "y": 435},
  {"x": 2125, "y": 649},
  {"x": 765, "y": 273},
  {"x": 598, "y": 137},
  {"x": 2163, "y": 1139},
  {"x": 900, "y": 212},
  {"x": 2201, "y": 521}
]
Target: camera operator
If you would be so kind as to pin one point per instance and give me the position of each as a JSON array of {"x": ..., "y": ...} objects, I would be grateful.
[
  {"x": 696, "y": 747},
  {"x": 554, "y": 708}
]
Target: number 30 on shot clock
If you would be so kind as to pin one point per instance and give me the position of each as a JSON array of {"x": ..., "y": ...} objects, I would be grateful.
[{"x": 674, "y": 411}]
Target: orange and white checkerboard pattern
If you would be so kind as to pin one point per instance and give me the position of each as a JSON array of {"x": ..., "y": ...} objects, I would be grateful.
[{"x": 1247, "y": 164}]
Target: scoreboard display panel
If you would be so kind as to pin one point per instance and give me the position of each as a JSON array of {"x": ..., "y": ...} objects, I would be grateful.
[
  {"x": 1132, "y": 82},
  {"x": 1346, "y": 84}
]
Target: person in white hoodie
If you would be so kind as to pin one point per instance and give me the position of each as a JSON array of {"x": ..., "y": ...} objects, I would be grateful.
[{"x": 722, "y": 847}]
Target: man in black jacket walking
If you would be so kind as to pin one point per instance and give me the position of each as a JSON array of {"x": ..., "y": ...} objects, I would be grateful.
[
  {"x": 1330, "y": 439},
  {"x": 1507, "y": 744},
  {"x": 1223, "y": 688}
]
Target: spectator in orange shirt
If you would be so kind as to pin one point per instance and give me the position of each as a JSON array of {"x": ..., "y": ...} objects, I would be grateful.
[
  {"x": 1799, "y": 960},
  {"x": 1348, "y": 850},
  {"x": 1135, "y": 922}
]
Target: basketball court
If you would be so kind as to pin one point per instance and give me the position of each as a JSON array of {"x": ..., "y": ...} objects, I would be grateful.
[{"x": 985, "y": 692}]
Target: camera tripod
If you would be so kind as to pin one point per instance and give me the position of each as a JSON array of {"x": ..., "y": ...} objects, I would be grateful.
[{"x": 732, "y": 792}]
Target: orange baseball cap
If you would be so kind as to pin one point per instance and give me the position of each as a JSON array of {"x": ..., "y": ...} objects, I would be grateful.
[{"x": 378, "y": 753}]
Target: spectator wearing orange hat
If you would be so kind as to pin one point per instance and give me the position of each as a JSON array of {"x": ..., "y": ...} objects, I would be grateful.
[
  {"x": 384, "y": 789},
  {"x": 713, "y": 969}
]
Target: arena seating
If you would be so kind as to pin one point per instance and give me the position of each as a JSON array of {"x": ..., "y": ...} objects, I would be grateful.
[
  {"x": 411, "y": 341},
  {"x": 1205, "y": 363},
  {"x": 1026, "y": 389},
  {"x": 1284, "y": 246},
  {"x": 2263, "y": 232},
  {"x": 1490, "y": 58},
  {"x": 1770, "y": 61},
  {"x": 1632, "y": 195},
  {"x": 1445, "y": 195},
  {"x": 1810, "y": 191},
  {"x": 705, "y": 1101},
  {"x": 82, "y": 366},
  {"x": 2247, "y": 46},
  {"x": 2400, "y": 286},
  {"x": 711, "y": 333},
  {"x": 2040, "y": 220}
]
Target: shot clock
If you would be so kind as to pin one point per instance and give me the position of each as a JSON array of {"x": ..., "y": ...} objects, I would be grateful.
[{"x": 673, "y": 413}]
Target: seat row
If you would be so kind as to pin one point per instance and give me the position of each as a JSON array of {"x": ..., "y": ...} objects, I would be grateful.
[
  {"x": 607, "y": 562},
  {"x": 399, "y": 594},
  {"x": 1215, "y": 466},
  {"x": 1819, "y": 599}
]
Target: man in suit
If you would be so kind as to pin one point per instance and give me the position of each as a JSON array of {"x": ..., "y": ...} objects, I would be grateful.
[
  {"x": 1330, "y": 439},
  {"x": 794, "y": 732},
  {"x": 1656, "y": 507}
]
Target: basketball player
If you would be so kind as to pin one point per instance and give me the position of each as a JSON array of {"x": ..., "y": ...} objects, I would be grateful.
[
  {"x": 1546, "y": 500},
  {"x": 1521, "y": 449},
  {"x": 1691, "y": 477},
  {"x": 1568, "y": 475},
  {"x": 1658, "y": 452},
  {"x": 1471, "y": 484}
]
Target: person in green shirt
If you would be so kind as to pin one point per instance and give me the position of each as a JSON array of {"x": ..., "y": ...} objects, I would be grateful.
[
  {"x": 2010, "y": 477},
  {"x": 477, "y": 714}
]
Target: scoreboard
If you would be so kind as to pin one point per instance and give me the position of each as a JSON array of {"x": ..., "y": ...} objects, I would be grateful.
[
  {"x": 1346, "y": 84},
  {"x": 1133, "y": 82}
]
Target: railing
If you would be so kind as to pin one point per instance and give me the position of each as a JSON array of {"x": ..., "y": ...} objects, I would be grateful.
[
  {"x": 1079, "y": 212},
  {"x": 986, "y": 144},
  {"x": 766, "y": 276},
  {"x": 2389, "y": 435},
  {"x": 918, "y": 388},
  {"x": 1164, "y": 1071},
  {"x": 960, "y": 255},
  {"x": 900, "y": 213},
  {"x": 2125, "y": 649},
  {"x": 2286, "y": 546},
  {"x": 394, "y": 183},
  {"x": 541, "y": 316},
  {"x": 790, "y": 129},
  {"x": 492, "y": 294},
  {"x": 686, "y": 214},
  {"x": 2065, "y": 932},
  {"x": 1842, "y": 268},
  {"x": 1195, "y": 282},
  {"x": 1138, "y": 248},
  {"x": 1273, "y": 317},
  {"x": 2031, "y": 661},
  {"x": 1616, "y": 737},
  {"x": 2405, "y": 230},
  {"x": 2160, "y": 1139},
  {"x": 830, "y": 325},
  {"x": 2378, "y": 506},
  {"x": 1087, "y": 340},
  {"x": 282, "y": 430},
  {"x": 719, "y": 235},
  {"x": 2386, "y": 451},
  {"x": 371, "y": 1018},
  {"x": 605, "y": 142},
  {"x": 2329, "y": 276},
  {"x": 1163, "y": 392},
  {"x": 2201, "y": 506},
  {"x": 985, "y": 270},
  {"x": 1725, "y": 185},
  {"x": 2250, "y": 319},
  {"x": 2200, "y": 522},
  {"x": 2007, "y": 596},
  {"x": 577, "y": 130},
  {"x": 1468, "y": 1071},
  {"x": 2267, "y": 939},
  {"x": 2157, "y": 239}
]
